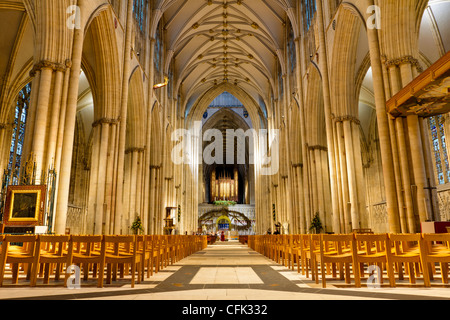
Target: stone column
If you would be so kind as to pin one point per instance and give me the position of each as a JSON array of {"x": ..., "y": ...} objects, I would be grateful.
[
  {"x": 124, "y": 110},
  {"x": 327, "y": 104},
  {"x": 351, "y": 174},
  {"x": 54, "y": 119},
  {"x": 110, "y": 175},
  {"x": 408, "y": 223},
  {"x": 359, "y": 172},
  {"x": 383, "y": 129},
  {"x": 40, "y": 127},
  {"x": 101, "y": 182},
  {"x": 344, "y": 178},
  {"x": 338, "y": 217},
  {"x": 93, "y": 179},
  {"x": 304, "y": 171},
  {"x": 420, "y": 176},
  {"x": 320, "y": 184},
  {"x": 69, "y": 130}
]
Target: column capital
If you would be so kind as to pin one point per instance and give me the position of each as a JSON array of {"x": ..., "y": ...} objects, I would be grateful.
[
  {"x": 46, "y": 64},
  {"x": 105, "y": 121},
  {"x": 135, "y": 150},
  {"x": 347, "y": 118},
  {"x": 321, "y": 148},
  {"x": 403, "y": 60}
]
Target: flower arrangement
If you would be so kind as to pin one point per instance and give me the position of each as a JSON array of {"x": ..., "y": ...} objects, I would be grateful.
[
  {"x": 225, "y": 203},
  {"x": 137, "y": 227}
]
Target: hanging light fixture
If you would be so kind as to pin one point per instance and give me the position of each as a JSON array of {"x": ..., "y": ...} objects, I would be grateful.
[{"x": 162, "y": 85}]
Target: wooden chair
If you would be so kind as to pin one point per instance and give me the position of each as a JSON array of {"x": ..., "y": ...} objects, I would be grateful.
[
  {"x": 274, "y": 246},
  {"x": 372, "y": 251},
  {"x": 295, "y": 255},
  {"x": 310, "y": 256},
  {"x": 123, "y": 251},
  {"x": 144, "y": 250},
  {"x": 404, "y": 255},
  {"x": 337, "y": 250},
  {"x": 163, "y": 251},
  {"x": 19, "y": 255},
  {"x": 54, "y": 253},
  {"x": 304, "y": 242},
  {"x": 435, "y": 249},
  {"x": 286, "y": 241},
  {"x": 89, "y": 254},
  {"x": 172, "y": 248}
]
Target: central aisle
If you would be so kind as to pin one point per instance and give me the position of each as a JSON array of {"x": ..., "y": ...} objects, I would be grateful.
[{"x": 228, "y": 265}]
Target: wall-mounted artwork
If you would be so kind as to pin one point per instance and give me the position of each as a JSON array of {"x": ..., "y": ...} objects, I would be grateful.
[{"x": 25, "y": 205}]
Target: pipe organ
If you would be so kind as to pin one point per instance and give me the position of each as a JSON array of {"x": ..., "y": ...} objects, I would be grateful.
[{"x": 224, "y": 185}]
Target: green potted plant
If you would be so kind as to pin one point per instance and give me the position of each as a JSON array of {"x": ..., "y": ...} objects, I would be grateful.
[
  {"x": 316, "y": 225},
  {"x": 137, "y": 227}
]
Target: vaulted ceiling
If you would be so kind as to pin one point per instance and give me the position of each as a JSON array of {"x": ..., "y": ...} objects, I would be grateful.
[{"x": 214, "y": 41}]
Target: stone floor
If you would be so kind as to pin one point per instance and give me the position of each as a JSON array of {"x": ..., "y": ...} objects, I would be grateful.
[{"x": 226, "y": 271}]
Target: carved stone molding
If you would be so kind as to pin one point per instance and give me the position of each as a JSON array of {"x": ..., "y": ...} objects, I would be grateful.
[
  {"x": 347, "y": 118},
  {"x": 134, "y": 150},
  {"x": 404, "y": 60},
  {"x": 45, "y": 64},
  {"x": 321, "y": 148},
  {"x": 105, "y": 121}
]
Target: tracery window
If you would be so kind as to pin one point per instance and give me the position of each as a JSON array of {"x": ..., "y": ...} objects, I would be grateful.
[
  {"x": 440, "y": 149},
  {"x": 18, "y": 134},
  {"x": 139, "y": 9},
  {"x": 310, "y": 10},
  {"x": 158, "y": 51},
  {"x": 291, "y": 50}
]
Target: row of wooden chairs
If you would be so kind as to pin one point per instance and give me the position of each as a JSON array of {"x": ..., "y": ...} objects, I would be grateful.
[
  {"x": 424, "y": 256},
  {"x": 45, "y": 255}
]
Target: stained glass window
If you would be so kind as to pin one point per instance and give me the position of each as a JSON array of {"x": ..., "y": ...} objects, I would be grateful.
[
  {"x": 18, "y": 134},
  {"x": 139, "y": 8},
  {"x": 440, "y": 149},
  {"x": 158, "y": 51},
  {"x": 310, "y": 10},
  {"x": 291, "y": 50}
]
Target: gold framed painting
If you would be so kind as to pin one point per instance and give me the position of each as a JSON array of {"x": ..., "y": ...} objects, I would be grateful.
[{"x": 25, "y": 205}]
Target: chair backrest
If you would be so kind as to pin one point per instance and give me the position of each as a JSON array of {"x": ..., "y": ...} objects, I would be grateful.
[
  {"x": 86, "y": 245},
  {"x": 372, "y": 243},
  {"x": 305, "y": 241},
  {"x": 55, "y": 244},
  {"x": 121, "y": 243},
  {"x": 28, "y": 245},
  {"x": 432, "y": 242},
  {"x": 337, "y": 243},
  {"x": 401, "y": 243}
]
